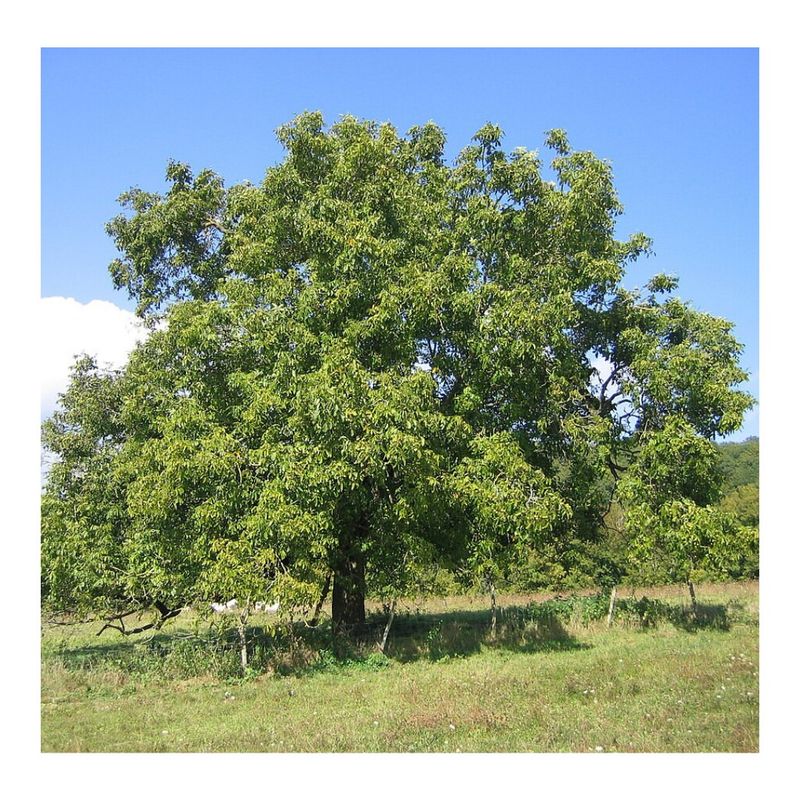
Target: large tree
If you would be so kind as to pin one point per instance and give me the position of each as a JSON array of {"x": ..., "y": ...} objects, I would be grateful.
[{"x": 373, "y": 361}]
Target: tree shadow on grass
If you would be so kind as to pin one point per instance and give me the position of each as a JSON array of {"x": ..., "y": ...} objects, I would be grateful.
[
  {"x": 649, "y": 613},
  {"x": 294, "y": 649},
  {"x": 458, "y": 634},
  {"x": 90, "y": 656},
  {"x": 173, "y": 654},
  {"x": 708, "y": 617}
]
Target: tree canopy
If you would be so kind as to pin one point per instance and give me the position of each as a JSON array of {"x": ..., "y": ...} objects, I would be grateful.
[{"x": 372, "y": 362}]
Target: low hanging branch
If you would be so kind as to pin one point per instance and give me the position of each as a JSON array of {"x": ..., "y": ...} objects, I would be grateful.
[
  {"x": 54, "y": 621},
  {"x": 322, "y": 598},
  {"x": 166, "y": 613}
]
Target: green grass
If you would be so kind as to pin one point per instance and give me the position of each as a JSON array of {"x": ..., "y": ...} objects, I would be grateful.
[{"x": 552, "y": 682}]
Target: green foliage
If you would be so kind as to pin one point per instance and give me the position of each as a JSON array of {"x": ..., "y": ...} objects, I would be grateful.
[
  {"x": 740, "y": 486},
  {"x": 84, "y": 512},
  {"x": 510, "y": 507},
  {"x": 376, "y": 365},
  {"x": 742, "y": 503},
  {"x": 685, "y": 542},
  {"x": 673, "y": 462},
  {"x": 675, "y": 532},
  {"x": 739, "y": 463}
]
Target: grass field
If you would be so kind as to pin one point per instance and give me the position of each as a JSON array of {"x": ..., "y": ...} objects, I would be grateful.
[{"x": 657, "y": 681}]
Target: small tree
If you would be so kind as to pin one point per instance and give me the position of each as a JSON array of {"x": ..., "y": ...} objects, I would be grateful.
[
  {"x": 84, "y": 511},
  {"x": 668, "y": 494},
  {"x": 508, "y": 507}
]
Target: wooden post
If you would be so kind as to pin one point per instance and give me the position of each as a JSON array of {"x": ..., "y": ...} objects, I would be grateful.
[
  {"x": 694, "y": 599},
  {"x": 494, "y": 611},
  {"x": 612, "y": 605},
  {"x": 242, "y": 628},
  {"x": 385, "y": 638}
]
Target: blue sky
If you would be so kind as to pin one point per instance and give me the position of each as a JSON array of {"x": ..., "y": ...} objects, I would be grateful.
[{"x": 679, "y": 126}]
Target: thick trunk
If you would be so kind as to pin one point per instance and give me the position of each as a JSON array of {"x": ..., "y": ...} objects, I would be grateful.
[
  {"x": 349, "y": 588},
  {"x": 348, "y": 597}
]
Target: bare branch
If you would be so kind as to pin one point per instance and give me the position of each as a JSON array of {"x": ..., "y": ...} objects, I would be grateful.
[{"x": 165, "y": 612}]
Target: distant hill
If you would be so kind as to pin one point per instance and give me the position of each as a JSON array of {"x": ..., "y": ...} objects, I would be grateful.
[{"x": 739, "y": 462}]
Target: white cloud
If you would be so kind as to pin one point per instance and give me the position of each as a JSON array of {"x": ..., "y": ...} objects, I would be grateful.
[{"x": 70, "y": 328}]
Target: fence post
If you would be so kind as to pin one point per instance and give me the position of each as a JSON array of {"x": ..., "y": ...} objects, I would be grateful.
[
  {"x": 242, "y": 630},
  {"x": 494, "y": 611},
  {"x": 612, "y": 605},
  {"x": 694, "y": 599},
  {"x": 383, "y": 641}
]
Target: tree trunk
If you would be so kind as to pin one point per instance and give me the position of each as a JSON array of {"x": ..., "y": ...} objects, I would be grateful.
[
  {"x": 694, "y": 598},
  {"x": 349, "y": 588},
  {"x": 612, "y": 604}
]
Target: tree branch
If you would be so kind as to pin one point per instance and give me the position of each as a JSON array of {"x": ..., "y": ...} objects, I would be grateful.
[
  {"x": 322, "y": 598},
  {"x": 212, "y": 222},
  {"x": 165, "y": 612}
]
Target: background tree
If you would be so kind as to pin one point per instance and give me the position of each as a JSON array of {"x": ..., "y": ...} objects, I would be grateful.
[
  {"x": 375, "y": 361},
  {"x": 739, "y": 466},
  {"x": 671, "y": 519},
  {"x": 84, "y": 510}
]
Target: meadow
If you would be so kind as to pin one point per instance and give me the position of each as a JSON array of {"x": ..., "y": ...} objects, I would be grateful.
[{"x": 553, "y": 678}]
